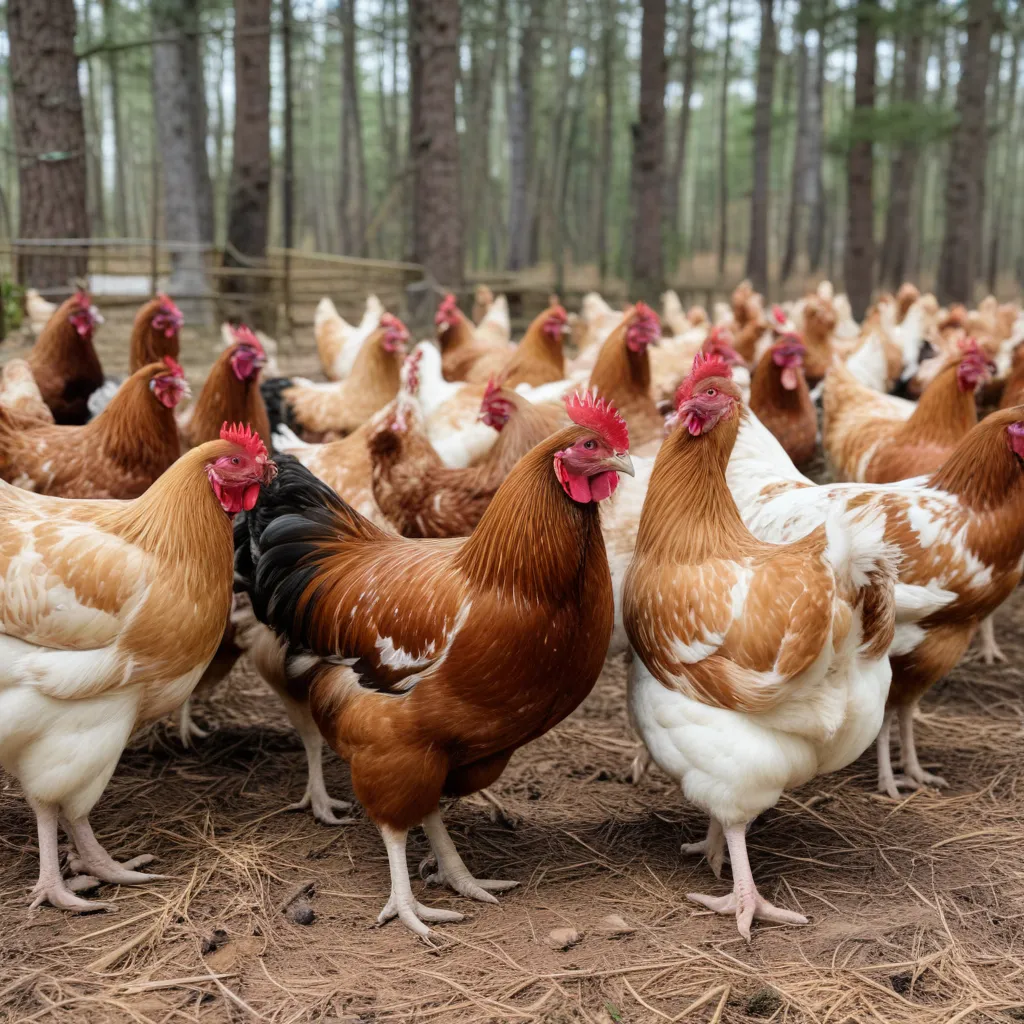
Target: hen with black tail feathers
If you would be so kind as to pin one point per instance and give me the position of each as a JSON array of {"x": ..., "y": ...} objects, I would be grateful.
[{"x": 427, "y": 663}]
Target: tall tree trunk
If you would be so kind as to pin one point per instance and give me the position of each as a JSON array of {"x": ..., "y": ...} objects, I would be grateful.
[
  {"x": 649, "y": 156},
  {"x": 520, "y": 133},
  {"x": 49, "y": 134},
  {"x": 219, "y": 131},
  {"x": 1007, "y": 186},
  {"x": 816, "y": 147},
  {"x": 173, "y": 106},
  {"x": 120, "y": 157},
  {"x": 723, "y": 146},
  {"x": 607, "y": 124},
  {"x": 860, "y": 229},
  {"x": 249, "y": 198},
  {"x": 798, "y": 179},
  {"x": 94, "y": 134},
  {"x": 674, "y": 183},
  {"x": 958, "y": 261},
  {"x": 353, "y": 159},
  {"x": 434, "y": 140},
  {"x": 195, "y": 80},
  {"x": 899, "y": 225},
  {"x": 757, "y": 254}
]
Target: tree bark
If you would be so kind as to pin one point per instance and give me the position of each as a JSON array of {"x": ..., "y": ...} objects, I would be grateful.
[
  {"x": 114, "y": 78},
  {"x": 798, "y": 181},
  {"x": 674, "y": 184},
  {"x": 195, "y": 81},
  {"x": 816, "y": 148},
  {"x": 49, "y": 134},
  {"x": 860, "y": 235},
  {"x": 520, "y": 134},
  {"x": 649, "y": 157},
  {"x": 94, "y": 135},
  {"x": 958, "y": 260},
  {"x": 1007, "y": 186},
  {"x": 249, "y": 194},
  {"x": 607, "y": 125},
  {"x": 899, "y": 226},
  {"x": 173, "y": 106},
  {"x": 352, "y": 213},
  {"x": 757, "y": 253},
  {"x": 723, "y": 143},
  {"x": 433, "y": 139}
]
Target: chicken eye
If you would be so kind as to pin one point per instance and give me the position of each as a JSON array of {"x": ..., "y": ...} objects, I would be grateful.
[
  {"x": 235, "y": 461},
  {"x": 590, "y": 445},
  {"x": 711, "y": 391}
]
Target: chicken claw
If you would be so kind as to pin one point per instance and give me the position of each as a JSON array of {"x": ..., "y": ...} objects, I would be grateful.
[
  {"x": 413, "y": 914},
  {"x": 94, "y": 862},
  {"x": 61, "y": 896},
  {"x": 991, "y": 652},
  {"x": 187, "y": 728},
  {"x": 712, "y": 847},
  {"x": 451, "y": 869},
  {"x": 744, "y": 901},
  {"x": 641, "y": 763},
  {"x": 323, "y": 806}
]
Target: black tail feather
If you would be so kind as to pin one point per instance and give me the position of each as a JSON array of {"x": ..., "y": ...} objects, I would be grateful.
[{"x": 279, "y": 409}]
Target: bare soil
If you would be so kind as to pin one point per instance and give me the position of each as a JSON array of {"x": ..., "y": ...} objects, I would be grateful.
[{"x": 916, "y": 907}]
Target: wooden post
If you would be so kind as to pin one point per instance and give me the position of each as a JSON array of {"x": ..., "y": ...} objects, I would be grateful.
[
  {"x": 154, "y": 230},
  {"x": 289, "y": 159}
]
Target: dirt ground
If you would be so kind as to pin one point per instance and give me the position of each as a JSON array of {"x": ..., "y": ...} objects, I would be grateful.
[{"x": 916, "y": 907}]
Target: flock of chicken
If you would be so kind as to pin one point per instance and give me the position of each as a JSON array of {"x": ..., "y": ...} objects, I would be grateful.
[{"x": 451, "y": 540}]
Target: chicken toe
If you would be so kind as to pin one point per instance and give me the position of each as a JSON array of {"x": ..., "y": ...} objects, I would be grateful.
[
  {"x": 187, "y": 728},
  {"x": 991, "y": 652},
  {"x": 451, "y": 869},
  {"x": 641, "y": 763},
  {"x": 744, "y": 901},
  {"x": 51, "y": 888},
  {"x": 712, "y": 846},
  {"x": 94, "y": 861},
  {"x": 914, "y": 776}
]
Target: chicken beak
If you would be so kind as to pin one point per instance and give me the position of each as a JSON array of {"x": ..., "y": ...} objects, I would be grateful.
[{"x": 620, "y": 463}]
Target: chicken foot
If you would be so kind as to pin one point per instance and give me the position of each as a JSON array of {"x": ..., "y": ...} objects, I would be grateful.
[
  {"x": 187, "y": 728},
  {"x": 991, "y": 652},
  {"x": 94, "y": 862},
  {"x": 914, "y": 776},
  {"x": 316, "y": 796},
  {"x": 712, "y": 847},
  {"x": 401, "y": 903},
  {"x": 744, "y": 901},
  {"x": 451, "y": 869},
  {"x": 52, "y": 888}
]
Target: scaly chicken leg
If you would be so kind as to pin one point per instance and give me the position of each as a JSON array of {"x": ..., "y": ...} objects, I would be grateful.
[
  {"x": 991, "y": 652},
  {"x": 744, "y": 900},
  {"x": 401, "y": 903},
  {"x": 51, "y": 887},
  {"x": 914, "y": 776},
  {"x": 316, "y": 796},
  {"x": 94, "y": 862},
  {"x": 712, "y": 846},
  {"x": 452, "y": 871}
]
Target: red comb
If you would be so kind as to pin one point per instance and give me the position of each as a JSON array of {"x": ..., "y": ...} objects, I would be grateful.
[
  {"x": 390, "y": 320},
  {"x": 587, "y": 410},
  {"x": 493, "y": 385},
  {"x": 244, "y": 336},
  {"x": 644, "y": 312},
  {"x": 704, "y": 367},
  {"x": 968, "y": 345},
  {"x": 558, "y": 313},
  {"x": 174, "y": 366},
  {"x": 447, "y": 309},
  {"x": 780, "y": 316},
  {"x": 83, "y": 299},
  {"x": 244, "y": 437}
]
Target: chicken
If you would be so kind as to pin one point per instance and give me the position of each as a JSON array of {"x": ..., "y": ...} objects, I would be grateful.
[
  {"x": 336, "y": 409},
  {"x": 958, "y": 536},
  {"x": 672, "y": 359},
  {"x": 271, "y": 368},
  {"x": 109, "y": 613},
  {"x": 597, "y": 320},
  {"x": 1013, "y": 391},
  {"x": 451, "y": 409},
  {"x": 20, "y": 394},
  {"x": 117, "y": 455},
  {"x": 338, "y": 343},
  {"x": 483, "y": 299},
  {"x": 64, "y": 362},
  {"x": 819, "y": 324},
  {"x": 155, "y": 333},
  {"x": 426, "y": 664},
  {"x": 496, "y": 327},
  {"x": 673, "y": 316},
  {"x": 907, "y": 295},
  {"x": 779, "y": 396},
  {"x": 38, "y": 310},
  {"x": 422, "y": 497},
  {"x": 538, "y": 358},
  {"x": 231, "y": 392},
  {"x": 622, "y": 373},
  {"x": 869, "y": 437},
  {"x": 773, "y": 656},
  {"x": 459, "y": 344}
]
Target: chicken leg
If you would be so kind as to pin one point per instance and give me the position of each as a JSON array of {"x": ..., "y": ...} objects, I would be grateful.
[
  {"x": 94, "y": 861},
  {"x": 712, "y": 847},
  {"x": 401, "y": 903},
  {"x": 187, "y": 728},
  {"x": 51, "y": 887},
  {"x": 452, "y": 871},
  {"x": 914, "y": 776},
  {"x": 744, "y": 901},
  {"x": 991, "y": 652},
  {"x": 316, "y": 796}
]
